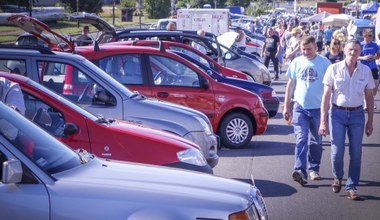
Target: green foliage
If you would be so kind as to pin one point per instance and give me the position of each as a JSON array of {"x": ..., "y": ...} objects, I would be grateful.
[
  {"x": 127, "y": 3},
  {"x": 258, "y": 8},
  {"x": 155, "y": 9},
  {"x": 90, "y": 6},
  {"x": 242, "y": 3}
]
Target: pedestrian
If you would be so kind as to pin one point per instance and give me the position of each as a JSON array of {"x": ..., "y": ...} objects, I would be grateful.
[
  {"x": 271, "y": 49},
  {"x": 303, "y": 96},
  {"x": 319, "y": 37},
  {"x": 171, "y": 26},
  {"x": 345, "y": 85},
  {"x": 335, "y": 53},
  {"x": 241, "y": 39},
  {"x": 292, "y": 46},
  {"x": 328, "y": 33},
  {"x": 84, "y": 39},
  {"x": 370, "y": 52},
  {"x": 198, "y": 45}
]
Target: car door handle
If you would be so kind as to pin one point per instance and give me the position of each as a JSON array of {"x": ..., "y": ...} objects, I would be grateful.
[{"x": 162, "y": 94}]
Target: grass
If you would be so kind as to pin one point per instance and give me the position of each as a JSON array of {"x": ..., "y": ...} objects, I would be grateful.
[{"x": 9, "y": 33}]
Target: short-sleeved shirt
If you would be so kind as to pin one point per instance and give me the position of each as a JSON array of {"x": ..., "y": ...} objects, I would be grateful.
[
  {"x": 308, "y": 75},
  {"x": 348, "y": 91},
  {"x": 369, "y": 49},
  {"x": 328, "y": 34},
  {"x": 272, "y": 43}
]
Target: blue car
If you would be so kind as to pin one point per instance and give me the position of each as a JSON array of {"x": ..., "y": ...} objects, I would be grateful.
[{"x": 266, "y": 93}]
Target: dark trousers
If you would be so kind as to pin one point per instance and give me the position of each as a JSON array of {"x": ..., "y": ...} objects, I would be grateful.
[{"x": 274, "y": 59}]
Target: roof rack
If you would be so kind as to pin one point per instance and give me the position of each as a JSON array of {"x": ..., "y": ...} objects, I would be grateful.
[{"x": 43, "y": 50}]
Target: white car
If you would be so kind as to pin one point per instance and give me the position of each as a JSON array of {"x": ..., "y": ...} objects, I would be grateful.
[{"x": 42, "y": 179}]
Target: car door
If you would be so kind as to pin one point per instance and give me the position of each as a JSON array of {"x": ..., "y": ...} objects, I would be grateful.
[
  {"x": 25, "y": 200},
  {"x": 173, "y": 81},
  {"x": 52, "y": 117}
]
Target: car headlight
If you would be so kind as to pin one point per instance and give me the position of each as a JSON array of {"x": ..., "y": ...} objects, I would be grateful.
[
  {"x": 192, "y": 156},
  {"x": 206, "y": 126},
  {"x": 256, "y": 211}
]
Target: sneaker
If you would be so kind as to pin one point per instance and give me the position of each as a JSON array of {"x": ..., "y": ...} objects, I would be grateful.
[
  {"x": 351, "y": 194},
  {"x": 299, "y": 177},
  {"x": 314, "y": 175}
]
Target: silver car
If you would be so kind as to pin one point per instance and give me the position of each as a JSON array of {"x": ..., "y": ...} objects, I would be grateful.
[
  {"x": 43, "y": 179},
  {"x": 85, "y": 84}
]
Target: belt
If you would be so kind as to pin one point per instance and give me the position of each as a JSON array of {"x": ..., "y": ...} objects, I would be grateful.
[{"x": 347, "y": 108}]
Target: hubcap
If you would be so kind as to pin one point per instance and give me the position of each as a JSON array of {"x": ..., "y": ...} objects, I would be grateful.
[{"x": 237, "y": 131}]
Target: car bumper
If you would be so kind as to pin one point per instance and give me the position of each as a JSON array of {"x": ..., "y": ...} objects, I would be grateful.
[
  {"x": 261, "y": 117},
  {"x": 204, "y": 169},
  {"x": 272, "y": 106},
  {"x": 209, "y": 146}
]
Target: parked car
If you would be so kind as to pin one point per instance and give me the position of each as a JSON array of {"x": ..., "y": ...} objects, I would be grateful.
[
  {"x": 266, "y": 93},
  {"x": 172, "y": 45},
  {"x": 97, "y": 92},
  {"x": 235, "y": 114},
  {"x": 55, "y": 182},
  {"x": 229, "y": 57},
  {"x": 125, "y": 140}
]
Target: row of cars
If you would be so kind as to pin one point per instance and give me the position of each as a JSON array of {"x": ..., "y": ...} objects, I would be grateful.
[{"x": 135, "y": 128}]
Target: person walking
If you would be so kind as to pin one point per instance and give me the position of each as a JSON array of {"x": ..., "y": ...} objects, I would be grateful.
[
  {"x": 271, "y": 49},
  {"x": 335, "y": 53},
  {"x": 370, "y": 52},
  {"x": 345, "y": 85},
  {"x": 328, "y": 33},
  {"x": 241, "y": 39},
  {"x": 303, "y": 96}
]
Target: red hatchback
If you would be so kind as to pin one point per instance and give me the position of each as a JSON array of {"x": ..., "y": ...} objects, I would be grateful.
[
  {"x": 236, "y": 114},
  {"x": 106, "y": 138}
]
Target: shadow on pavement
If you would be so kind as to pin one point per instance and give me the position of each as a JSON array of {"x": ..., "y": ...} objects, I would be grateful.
[
  {"x": 266, "y": 188},
  {"x": 260, "y": 148}
]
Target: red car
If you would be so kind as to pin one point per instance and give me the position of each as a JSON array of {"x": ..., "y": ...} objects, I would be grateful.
[
  {"x": 106, "y": 138},
  {"x": 191, "y": 51},
  {"x": 236, "y": 114}
]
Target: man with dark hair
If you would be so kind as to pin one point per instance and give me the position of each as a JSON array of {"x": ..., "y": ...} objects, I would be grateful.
[
  {"x": 271, "y": 50},
  {"x": 84, "y": 39}
]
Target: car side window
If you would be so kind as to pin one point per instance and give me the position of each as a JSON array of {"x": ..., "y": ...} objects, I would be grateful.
[
  {"x": 44, "y": 115},
  {"x": 169, "y": 72},
  {"x": 13, "y": 66},
  {"x": 191, "y": 54},
  {"x": 125, "y": 68},
  {"x": 72, "y": 83}
]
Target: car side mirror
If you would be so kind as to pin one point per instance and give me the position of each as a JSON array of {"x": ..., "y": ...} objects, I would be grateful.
[
  {"x": 70, "y": 129},
  {"x": 12, "y": 172},
  {"x": 104, "y": 97},
  {"x": 204, "y": 83}
]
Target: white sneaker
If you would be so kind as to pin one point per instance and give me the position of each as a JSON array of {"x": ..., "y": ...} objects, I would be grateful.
[{"x": 314, "y": 175}]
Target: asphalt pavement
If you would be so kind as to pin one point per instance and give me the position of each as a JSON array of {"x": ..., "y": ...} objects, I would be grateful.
[{"x": 270, "y": 157}]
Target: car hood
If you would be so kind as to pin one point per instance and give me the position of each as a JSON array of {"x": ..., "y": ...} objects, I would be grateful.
[
  {"x": 149, "y": 133},
  {"x": 40, "y": 30},
  {"x": 227, "y": 39},
  {"x": 99, "y": 23},
  {"x": 142, "y": 187}
]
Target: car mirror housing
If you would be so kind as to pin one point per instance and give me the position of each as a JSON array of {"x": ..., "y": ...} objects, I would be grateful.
[
  {"x": 12, "y": 171},
  {"x": 70, "y": 129}
]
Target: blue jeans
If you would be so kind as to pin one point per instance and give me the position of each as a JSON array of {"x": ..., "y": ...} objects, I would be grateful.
[
  {"x": 343, "y": 122},
  {"x": 307, "y": 153}
]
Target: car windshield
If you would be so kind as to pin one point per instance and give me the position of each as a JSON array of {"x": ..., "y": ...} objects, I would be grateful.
[{"x": 42, "y": 148}]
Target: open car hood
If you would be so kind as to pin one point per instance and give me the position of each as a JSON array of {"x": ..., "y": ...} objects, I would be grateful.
[
  {"x": 227, "y": 39},
  {"x": 54, "y": 40},
  {"x": 99, "y": 23}
]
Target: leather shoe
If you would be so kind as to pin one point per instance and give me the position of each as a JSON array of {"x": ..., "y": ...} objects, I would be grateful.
[
  {"x": 336, "y": 185},
  {"x": 351, "y": 194}
]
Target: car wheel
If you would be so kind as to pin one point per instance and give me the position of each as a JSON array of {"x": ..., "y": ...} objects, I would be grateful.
[{"x": 236, "y": 130}]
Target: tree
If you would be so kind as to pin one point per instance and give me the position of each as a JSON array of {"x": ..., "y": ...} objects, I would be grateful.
[
  {"x": 157, "y": 8},
  {"x": 242, "y": 3},
  {"x": 90, "y": 6}
]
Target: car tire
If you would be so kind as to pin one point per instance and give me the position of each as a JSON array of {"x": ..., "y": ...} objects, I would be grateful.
[{"x": 236, "y": 131}]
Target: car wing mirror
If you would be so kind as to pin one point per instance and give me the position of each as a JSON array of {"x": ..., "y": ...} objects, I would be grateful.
[
  {"x": 70, "y": 129},
  {"x": 12, "y": 172}
]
